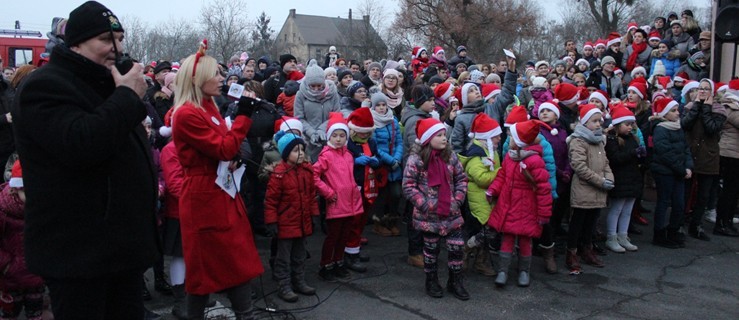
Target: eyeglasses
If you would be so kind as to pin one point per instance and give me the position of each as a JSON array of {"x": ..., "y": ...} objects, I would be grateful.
[
  {"x": 361, "y": 91},
  {"x": 704, "y": 89}
]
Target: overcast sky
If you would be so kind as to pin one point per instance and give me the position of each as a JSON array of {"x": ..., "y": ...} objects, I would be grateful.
[{"x": 37, "y": 14}]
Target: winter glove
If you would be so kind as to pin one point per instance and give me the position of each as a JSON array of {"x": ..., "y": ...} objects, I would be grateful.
[
  {"x": 272, "y": 229},
  {"x": 655, "y": 53},
  {"x": 246, "y": 106},
  {"x": 608, "y": 184},
  {"x": 321, "y": 135},
  {"x": 641, "y": 152},
  {"x": 395, "y": 165},
  {"x": 314, "y": 139},
  {"x": 362, "y": 160},
  {"x": 373, "y": 162},
  {"x": 472, "y": 242},
  {"x": 566, "y": 177}
]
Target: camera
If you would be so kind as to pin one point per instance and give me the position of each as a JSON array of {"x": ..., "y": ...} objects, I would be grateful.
[{"x": 124, "y": 63}]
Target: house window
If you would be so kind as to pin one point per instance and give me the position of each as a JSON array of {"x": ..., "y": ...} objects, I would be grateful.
[{"x": 318, "y": 54}]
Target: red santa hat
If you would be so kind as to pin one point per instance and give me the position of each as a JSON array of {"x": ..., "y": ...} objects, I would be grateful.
[
  {"x": 681, "y": 76},
  {"x": 566, "y": 93},
  {"x": 463, "y": 93},
  {"x": 289, "y": 123},
  {"x": 417, "y": 51},
  {"x": 427, "y": 129},
  {"x": 600, "y": 43},
  {"x": 631, "y": 25},
  {"x": 621, "y": 114},
  {"x": 601, "y": 95},
  {"x": 361, "y": 121},
  {"x": 438, "y": 49},
  {"x": 638, "y": 87},
  {"x": 16, "y": 175},
  {"x": 444, "y": 91},
  {"x": 690, "y": 85},
  {"x": 587, "y": 111},
  {"x": 617, "y": 71},
  {"x": 638, "y": 70},
  {"x": 517, "y": 114},
  {"x": 734, "y": 87},
  {"x": 663, "y": 106},
  {"x": 582, "y": 60},
  {"x": 654, "y": 35},
  {"x": 336, "y": 121},
  {"x": 721, "y": 87},
  {"x": 525, "y": 133},
  {"x": 484, "y": 128},
  {"x": 166, "y": 129},
  {"x": 549, "y": 105},
  {"x": 613, "y": 38},
  {"x": 664, "y": 83},
  {"x": 489, "y": 90},
  {"x": 588, "y": 44}
]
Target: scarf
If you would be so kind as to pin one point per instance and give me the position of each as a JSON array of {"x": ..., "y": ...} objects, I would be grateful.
[
  {"x": 438, "y": 175},
  {"x": 382, "y": 120},
  {"x": 394, "y": 99},
  {"x": 670, "y": 125},
  {"x": 638, "y": 49},
  {"x": 328, "y": 91},
  {"x": 592, "y": 137}
]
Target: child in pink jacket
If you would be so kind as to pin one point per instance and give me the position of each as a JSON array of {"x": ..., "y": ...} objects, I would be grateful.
[
  {"x": 333, "y": 174},
  {"x": 524, "y": 199}
]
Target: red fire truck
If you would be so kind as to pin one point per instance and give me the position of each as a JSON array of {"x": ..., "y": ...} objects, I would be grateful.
[{"x": 17, "y": 51}]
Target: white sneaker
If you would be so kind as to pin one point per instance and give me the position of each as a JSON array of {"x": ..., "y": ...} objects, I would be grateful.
[
  {"x": 710, "y": 216},
  {"x": 735, "y": 220},
  {"x": 624, "y": 241},
  {"x": 613, "y": 245}
]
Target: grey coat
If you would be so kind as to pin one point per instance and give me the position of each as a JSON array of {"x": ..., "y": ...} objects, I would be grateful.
[{"x": 314, "y": 117}]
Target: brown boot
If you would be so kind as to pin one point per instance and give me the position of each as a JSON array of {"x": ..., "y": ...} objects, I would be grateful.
[
  {"x": 589, "y": 257},
  {"x": 573, "y": 261},
  {"x": 482, "y": 263},
  {"x": 416, "y": 260},
  {"x": 548, "y": 254},
  {"x": 381, "y": 230}
]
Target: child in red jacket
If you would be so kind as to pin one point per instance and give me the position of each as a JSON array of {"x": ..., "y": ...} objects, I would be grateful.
[
  {"x": 524, "y": 199},
  {"x": 289, "y": 205}
]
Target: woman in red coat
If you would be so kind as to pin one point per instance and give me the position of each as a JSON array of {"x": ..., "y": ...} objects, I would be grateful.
[{"x": 217, "y": 239}]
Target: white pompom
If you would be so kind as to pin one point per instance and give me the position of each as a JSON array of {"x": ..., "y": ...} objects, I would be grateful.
[
  {"x": 418, "y": 141},
  {"x": 554, "y": 131},
  {"x": 165, "y": 131},
  {"x": 471, "y": 134}
]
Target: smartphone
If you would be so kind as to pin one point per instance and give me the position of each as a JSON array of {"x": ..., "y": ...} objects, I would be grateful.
[{"x": 509, "y": 53}]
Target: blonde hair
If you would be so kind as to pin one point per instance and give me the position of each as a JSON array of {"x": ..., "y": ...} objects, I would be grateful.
[
  {"x": 187, "y": 87},
  {"x": 463, "y": 77}
]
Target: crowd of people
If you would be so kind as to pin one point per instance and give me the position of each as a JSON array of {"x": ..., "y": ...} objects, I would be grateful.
[{"x": 109, "y": 171}]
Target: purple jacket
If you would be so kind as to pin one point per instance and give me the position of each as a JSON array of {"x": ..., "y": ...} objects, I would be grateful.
[
  {"x": 561, "y": 158},
  {"x": 539, "y": 96},
  {"x": 11, "y": 245}
]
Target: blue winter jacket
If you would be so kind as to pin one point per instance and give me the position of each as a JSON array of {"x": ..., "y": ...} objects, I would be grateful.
[
  {"x": 671, "y": 66},
  {"x": 389, "y": 137},
  {"x": 548, "y": 161}
]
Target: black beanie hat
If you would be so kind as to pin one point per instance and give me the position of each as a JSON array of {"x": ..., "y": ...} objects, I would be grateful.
[
  {"x": 285, "y": 58},
  {"x": 89, "y": 20},
  {"x": 162, "y": 65},
  {"x": 344, "y": 73},
  {"x": 420, "y": 94}
]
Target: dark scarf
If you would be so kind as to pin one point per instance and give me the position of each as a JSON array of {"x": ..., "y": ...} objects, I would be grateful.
[
  {"x": 638, "y": 49},
  {"x": 438, "y": 176}
]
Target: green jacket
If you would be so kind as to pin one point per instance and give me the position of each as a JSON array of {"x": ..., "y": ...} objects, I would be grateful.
[{"x": 480, "y": 177}]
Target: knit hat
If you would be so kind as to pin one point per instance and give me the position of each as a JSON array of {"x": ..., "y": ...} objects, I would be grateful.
[
  {"x": 654, "y": 35},
  {"x": 631, "y": 25},
  {"x": 374, "y": 64},
  {"x": 607, "y": 59},
  {"x": 461, "y": 48},
  {"x": 638, "y": 87},
  {"x": 168, "y": 79},
  {"x": 489, "y": 90},
  {"x": 463, "y": 93},
  {"x": 163, "y": 65},
  {"x": 444, "y": 91},
  {"x": 314, "y": 74},
  {"x": 336, "y": 121},
  {"x": 361, "y": 121},
  {"x": 484, "y": 127},
  {"x": 588, "y": 44},
  {"x": 435, "y": 80},
  {"x": 390, "y": 72},
  {"x": 417, "y": 51},
  {"x": 525, "y": 133},
  {"x": 663, "y": 106},
  {"x": 538, "y": 82},
  {"x": 697, "y": 55},
  {"x": 421, "y": 94},
  {"x": 291, "y": 88},
  {"x": 621, "y": 114},
  {"x": 600, "y": 43},
  {"x": 613, "y": 38},
  {"x": 637, "y": 70},
  {"x": 343, "y": 73},
  {"x": 378, "y": 97},
  {"x": 690, "y": 85},
  {"x": 427, "y": 129},
  {"x": 687, "y": 12},
  {"x": 289, "y": 123},
  {"x": 89, "y": 20},
  {"x": 16, "y": 175},
  {"x": 328, "y": 71},
  {"x": 285, "y": 58},
  {"x": 582, "y": 61},
  {"x": 566, "y": 93},
  {"x": 516, "y": 115},
  {"x": 476, "y": 75},
  {"x": 492, "y": 77},
  {"x": 587, "y": 111},
  {"x": 391, "y": 64},
  {"x": 676, "y": 22},
  {"x": 659, "y": 69},
  {"x": 541, "y": 62},
  {"x": 286, "y": 144},
  {"x": 600, "y": 95},
  {"x": 672, "y": 14},
  {"x": 244, "y": 56},
  {"x": 353, "y": 87},
  {"x": 705, "y": 35}
]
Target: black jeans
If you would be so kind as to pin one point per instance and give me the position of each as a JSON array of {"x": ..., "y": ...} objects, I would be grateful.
[
  {"x": 582, "y": 223},
  {"x": 670, "y": 193},
  {"x": 707, "y": 186},
  {"x": 415, "y": 237},
  {"x": 114, "y": 296},
  {"x": 730, "y": 191}
]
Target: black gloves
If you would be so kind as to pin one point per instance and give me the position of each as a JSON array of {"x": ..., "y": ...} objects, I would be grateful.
[{"x": 246, "y": 106}]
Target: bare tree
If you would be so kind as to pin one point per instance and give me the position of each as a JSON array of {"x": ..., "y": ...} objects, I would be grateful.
[
  {"x": 136, "y": 43},
  {"x": 226, "y": 27}
]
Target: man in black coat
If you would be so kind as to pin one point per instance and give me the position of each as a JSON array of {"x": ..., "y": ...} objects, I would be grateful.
[
  {"x": 89, "y": 179},
  {"x": 274, "y": 85}
]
